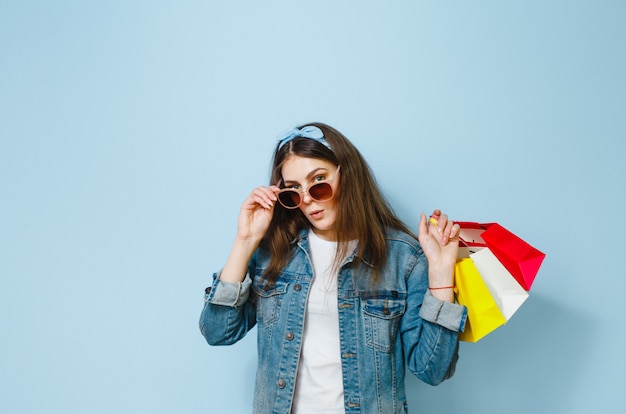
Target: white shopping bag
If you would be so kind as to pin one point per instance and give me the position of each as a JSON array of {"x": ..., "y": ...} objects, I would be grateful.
[{"x": 506, "y": 291}]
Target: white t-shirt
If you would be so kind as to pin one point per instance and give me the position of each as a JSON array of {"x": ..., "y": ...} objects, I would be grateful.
[{"x": 319, "y": 381}]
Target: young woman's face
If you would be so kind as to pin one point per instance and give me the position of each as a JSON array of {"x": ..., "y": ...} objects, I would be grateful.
[{"x": 300, "y": 173}]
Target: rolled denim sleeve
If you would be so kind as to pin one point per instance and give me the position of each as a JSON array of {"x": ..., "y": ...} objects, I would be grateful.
[
  {"x": 451, "y": 316},
  {"x": 233, "y": 294},
  {"x": 227, "y": 314}
]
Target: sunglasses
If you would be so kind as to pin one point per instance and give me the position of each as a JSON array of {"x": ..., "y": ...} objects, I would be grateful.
[{"x": 321, "y": 191}]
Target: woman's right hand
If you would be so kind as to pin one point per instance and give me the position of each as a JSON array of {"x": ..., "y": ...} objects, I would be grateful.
[
  {"x": 256, "y": 213},
  {"x": 255, "y": 216}
]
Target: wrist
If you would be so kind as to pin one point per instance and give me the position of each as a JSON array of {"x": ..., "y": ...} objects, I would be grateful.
[
  {"x": 441, "y": 282},
  {"x": 441, "y": 287},
  {"x": 440, "y": 276},
  {"x": 443, "y": 293},
  {"x": 250, "y": 242}
]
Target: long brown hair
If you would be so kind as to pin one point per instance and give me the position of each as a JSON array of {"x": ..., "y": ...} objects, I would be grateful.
[{"x": 363, "y": 212}]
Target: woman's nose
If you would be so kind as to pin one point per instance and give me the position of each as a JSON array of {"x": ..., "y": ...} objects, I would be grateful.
[{"x": 306, "y": 198}]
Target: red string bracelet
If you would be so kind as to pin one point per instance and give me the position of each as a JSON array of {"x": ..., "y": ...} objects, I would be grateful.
[{"x": 442, "y": 287}]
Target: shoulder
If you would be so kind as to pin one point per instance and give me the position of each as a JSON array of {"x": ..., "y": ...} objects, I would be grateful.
[{"x": 398, "y": 239}]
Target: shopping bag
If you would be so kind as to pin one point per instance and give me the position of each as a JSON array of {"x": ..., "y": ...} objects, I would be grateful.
[
  {"x": 483, "y": 314},
  {"x": 470, "y": 237},
  {"x": 471, "y": 233},
  {"x": 520, "y": 258},
  {"x": 505, "y": 290}
]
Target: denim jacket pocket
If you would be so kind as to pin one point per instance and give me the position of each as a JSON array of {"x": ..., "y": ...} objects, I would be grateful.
[
  {"x": 382, "y": 317},
  {"x": 268, "y": 300}
]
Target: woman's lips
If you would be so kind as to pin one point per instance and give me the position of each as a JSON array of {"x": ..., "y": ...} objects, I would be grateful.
[{"x": 316, "y": 214}]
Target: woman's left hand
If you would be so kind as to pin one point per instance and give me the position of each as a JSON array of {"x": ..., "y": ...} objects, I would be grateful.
[{"x": 439, "y": 238}]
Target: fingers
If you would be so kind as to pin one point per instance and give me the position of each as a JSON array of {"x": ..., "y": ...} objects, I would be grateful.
[
  {"x": 262, "y": 196},
  {"x": 455, "y": 231},
  {"x": 448, "y": 230},
  {"x": 422, "y": 229}
]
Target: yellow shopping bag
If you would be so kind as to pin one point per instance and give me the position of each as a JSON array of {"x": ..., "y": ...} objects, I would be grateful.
[{"x": 483, "y": 314}]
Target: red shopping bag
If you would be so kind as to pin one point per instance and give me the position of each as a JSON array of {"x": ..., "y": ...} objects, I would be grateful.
[{"x": 518, "y": 257}]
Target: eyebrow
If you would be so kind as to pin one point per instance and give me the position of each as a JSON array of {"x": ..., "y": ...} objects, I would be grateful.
[{"x": 309, "y": 175}]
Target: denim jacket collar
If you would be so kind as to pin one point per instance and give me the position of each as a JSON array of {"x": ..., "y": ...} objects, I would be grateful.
[{"x": 302, "y": 240}]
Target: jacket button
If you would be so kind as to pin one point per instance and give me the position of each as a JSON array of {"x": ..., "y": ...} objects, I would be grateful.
[
  {"x": 207, "y": 290},
  {"x": 386, "y": 311},
  {"x": 281, "y": 383},
  {"x": 297, "y": 287},
  {"x": 289, "y": 336}
]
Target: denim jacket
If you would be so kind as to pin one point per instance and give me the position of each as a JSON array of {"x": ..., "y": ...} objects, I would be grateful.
[{"x": 382, "y": 329}]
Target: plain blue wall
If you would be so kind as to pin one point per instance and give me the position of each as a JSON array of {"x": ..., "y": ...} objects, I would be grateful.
[{"x": 132, "y": 131}]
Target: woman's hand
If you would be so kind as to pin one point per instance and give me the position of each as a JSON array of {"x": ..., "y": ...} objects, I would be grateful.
[
  {"x": 439, "y": 238},
  {"x": 255, "y": 216},
  {"x": 256, "y": 213}
]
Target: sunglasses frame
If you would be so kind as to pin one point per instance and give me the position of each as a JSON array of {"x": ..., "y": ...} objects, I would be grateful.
[{"x": 302, "y": 192}]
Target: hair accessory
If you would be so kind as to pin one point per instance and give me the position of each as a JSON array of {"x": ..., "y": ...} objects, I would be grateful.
[{"x": 309, "y": 131}]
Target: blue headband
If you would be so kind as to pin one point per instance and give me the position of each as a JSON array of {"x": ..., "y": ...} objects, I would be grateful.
[{"x": 309, "y": 131}]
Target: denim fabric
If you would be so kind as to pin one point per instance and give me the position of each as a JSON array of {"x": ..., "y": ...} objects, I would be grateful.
[{"x": 382, "y": 329}]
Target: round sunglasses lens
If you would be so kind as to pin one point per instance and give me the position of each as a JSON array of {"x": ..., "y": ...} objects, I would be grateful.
[
  {"x": 321, "y": 191},
  {"x": 289, "y": 199}
]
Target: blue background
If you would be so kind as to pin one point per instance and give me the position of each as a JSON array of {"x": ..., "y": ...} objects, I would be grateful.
[{"x": 131, "y": 131}]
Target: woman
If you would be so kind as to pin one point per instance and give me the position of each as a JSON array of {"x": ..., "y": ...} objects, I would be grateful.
[{"x": 342, "y": 294}]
